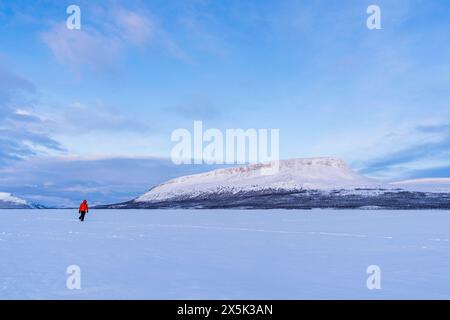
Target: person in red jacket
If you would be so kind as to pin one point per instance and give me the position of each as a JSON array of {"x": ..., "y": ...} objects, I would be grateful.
[{"x": 84, "y": 208}]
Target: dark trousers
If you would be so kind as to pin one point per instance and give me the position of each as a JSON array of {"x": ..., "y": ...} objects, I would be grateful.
[{"x": 82, "y": 213}]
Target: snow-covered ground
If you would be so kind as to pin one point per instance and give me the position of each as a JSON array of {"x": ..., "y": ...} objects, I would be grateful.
[{"x": 224, "y": 254}]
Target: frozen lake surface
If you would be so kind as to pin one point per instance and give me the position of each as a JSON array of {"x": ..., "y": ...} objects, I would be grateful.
[{"x": 225, "y": 254}]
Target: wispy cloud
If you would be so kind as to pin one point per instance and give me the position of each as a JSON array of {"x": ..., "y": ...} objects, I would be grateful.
[
  {"x": 11, "y": 83},
  {"x": 133, "y": 27},
  {"x": 429, "y": 148},
  {"x": 102, "y": 43},
  {"x": 21, "y": 134},
  {"x": 64, "y": 181},
  {"x": 78, "y": 117},
  {"x": 193, "y": 111},
  {"x": 81, "y": 47}
]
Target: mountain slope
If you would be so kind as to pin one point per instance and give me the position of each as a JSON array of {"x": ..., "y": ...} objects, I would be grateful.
[
  {"x": 8, "y": 201},
  {"x": 295, "y": 174},
  {"x": 298, "y": 184}
]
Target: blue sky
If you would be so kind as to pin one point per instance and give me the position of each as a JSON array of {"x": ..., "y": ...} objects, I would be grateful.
[{"x": 137, "y": 70}]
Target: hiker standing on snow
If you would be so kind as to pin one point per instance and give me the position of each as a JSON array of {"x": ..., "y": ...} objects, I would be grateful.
[{"x": 84, "y": 208}]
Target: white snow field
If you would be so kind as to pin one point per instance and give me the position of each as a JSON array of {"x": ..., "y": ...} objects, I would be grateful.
[{"x": 225, "y": 254}]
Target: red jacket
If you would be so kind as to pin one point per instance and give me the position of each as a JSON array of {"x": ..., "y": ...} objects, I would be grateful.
[{"x": 84, "y": 206}]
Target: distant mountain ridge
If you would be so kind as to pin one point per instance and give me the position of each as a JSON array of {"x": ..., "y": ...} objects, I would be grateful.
[
  {"x": 293, "y": 174},
  {"x": 8, "y": 201},
  {"x": 298, "y": 183}
]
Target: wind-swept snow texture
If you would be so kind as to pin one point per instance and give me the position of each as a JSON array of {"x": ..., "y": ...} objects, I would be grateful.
[{"x": 225, "y": 254}]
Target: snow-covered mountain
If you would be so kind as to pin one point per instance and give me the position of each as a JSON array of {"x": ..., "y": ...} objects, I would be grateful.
[
  {"x": 297, "y": 184},
  {"x": 8, "y": 201},
  {"x": 292, "y": 175}
]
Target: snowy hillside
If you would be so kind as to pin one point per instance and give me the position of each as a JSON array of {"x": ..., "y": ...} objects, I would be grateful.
[
  {"x": 294, "y": 174},
  {"x": 8, "y": 201},
  {"x": 297, "y": 184}
]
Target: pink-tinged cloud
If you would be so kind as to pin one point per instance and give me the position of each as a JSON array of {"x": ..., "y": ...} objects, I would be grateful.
[
  {"x": 81, "y": 47},
  {"x": 103, "y": 44},
  {"x": 134, "y": 28}
]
